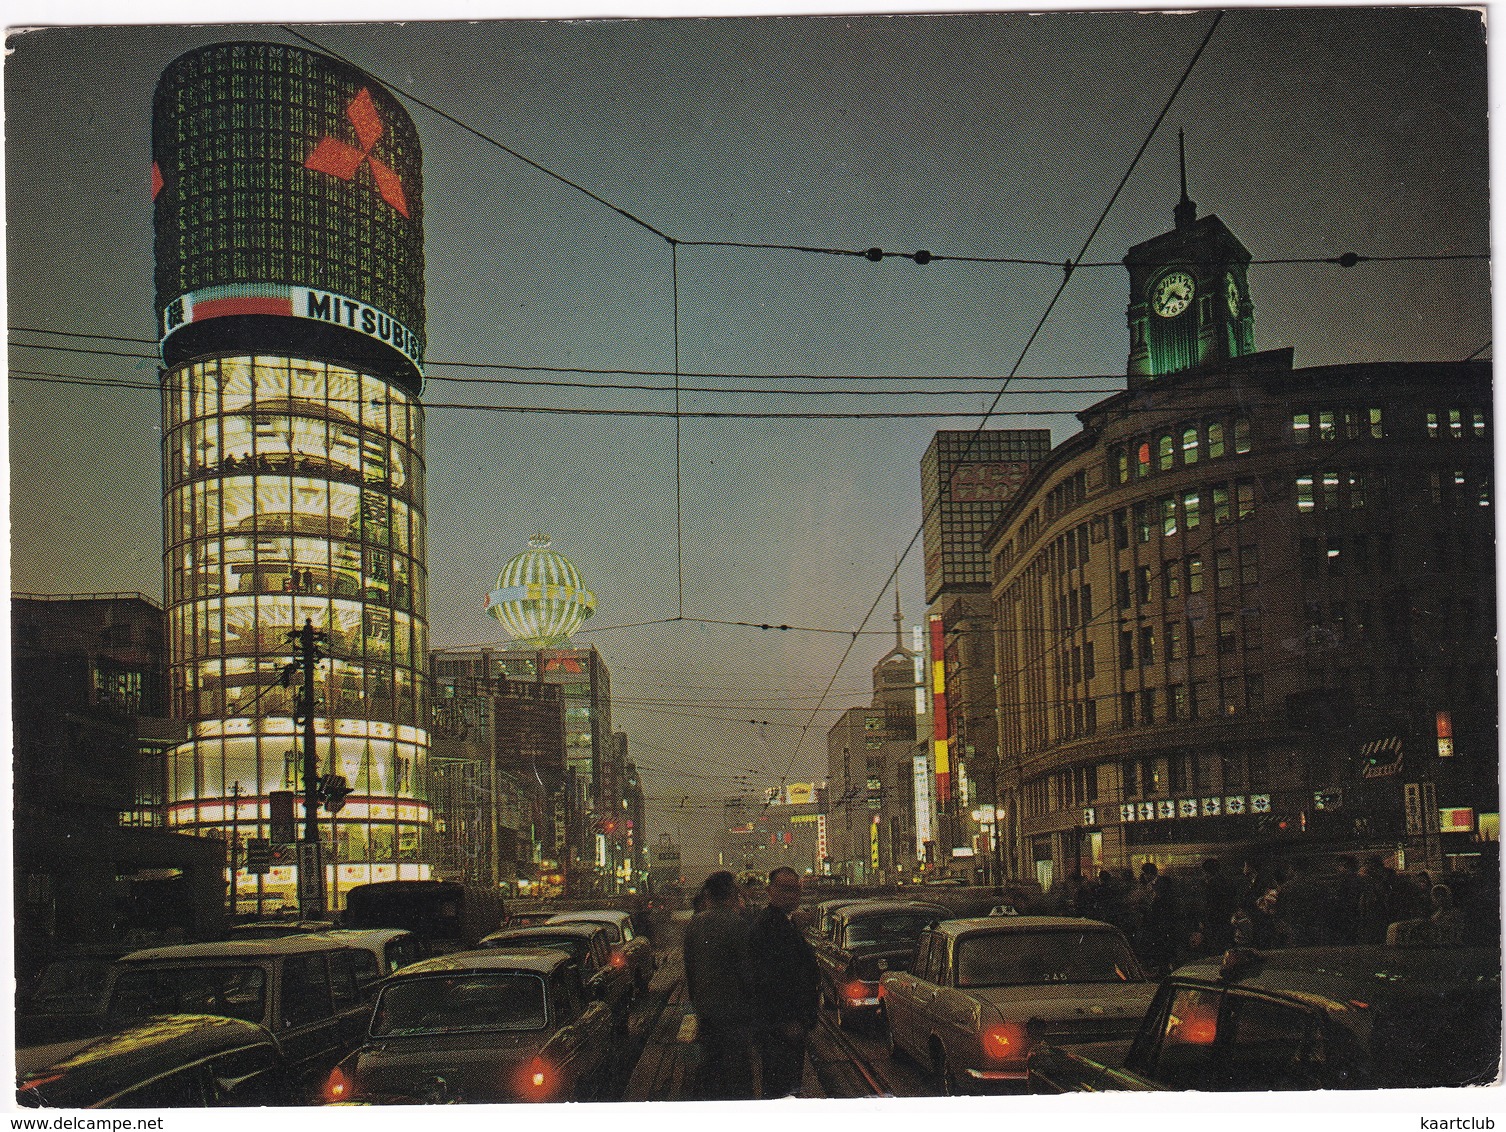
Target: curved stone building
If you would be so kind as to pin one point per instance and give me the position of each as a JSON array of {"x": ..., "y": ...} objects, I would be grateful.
[{"x": 1249, "y": 608}]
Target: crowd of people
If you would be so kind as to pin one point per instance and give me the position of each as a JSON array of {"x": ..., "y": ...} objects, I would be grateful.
[
  {"x": 1293, "y": 903},
  {"x": 754, "y": 986}
]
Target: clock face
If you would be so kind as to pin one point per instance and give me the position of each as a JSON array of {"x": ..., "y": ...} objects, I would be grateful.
[
  {"x": 1172, "y": 294},
  {"x": 1231, "y": 292}
]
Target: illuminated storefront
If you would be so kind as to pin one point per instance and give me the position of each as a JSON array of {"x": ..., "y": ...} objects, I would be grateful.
[{"x": 293, "y": 450}]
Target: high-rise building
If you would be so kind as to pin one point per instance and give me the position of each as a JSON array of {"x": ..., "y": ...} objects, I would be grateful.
[
  {"x": 967, "y": 480},
  {"x": 495, "y": 766},
  {"x": 1250, "y": 608},
  {"x": 541, "y": 601},
  {"x": 290, "y": 301},
  {"x": 875, "y": 800}
]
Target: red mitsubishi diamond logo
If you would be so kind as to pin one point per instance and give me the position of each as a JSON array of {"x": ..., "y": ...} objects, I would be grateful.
[{"x": 341, "y": 159}]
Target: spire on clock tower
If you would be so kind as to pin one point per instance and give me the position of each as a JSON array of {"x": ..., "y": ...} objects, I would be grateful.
[{"x": 1186, "y": 210}]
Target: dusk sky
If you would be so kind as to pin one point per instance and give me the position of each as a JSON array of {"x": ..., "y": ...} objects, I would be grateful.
[{"x": 1309, "y": 132}]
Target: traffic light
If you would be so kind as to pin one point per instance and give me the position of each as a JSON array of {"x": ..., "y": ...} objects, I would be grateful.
[
  {"x": 280, "y": 810},
  {"x": 332, "y": 792}
]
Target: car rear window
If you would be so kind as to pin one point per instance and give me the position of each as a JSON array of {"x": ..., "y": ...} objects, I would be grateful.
[
  {"x": 460, "y": 1003},
  {"x": 69, "y": 986},
  {"x": 574, "y": 946},
  {"x": 613, "y": 934},
  {"x": 898, "y": 929},
  {"x": 1008, "y": 959},
  {"x": 230, "y": 991}
]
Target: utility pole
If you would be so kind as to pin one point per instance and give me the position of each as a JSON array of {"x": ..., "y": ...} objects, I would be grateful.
[
  {"x": 235, "y": 840},
  {"x": 306, "y": 654}
]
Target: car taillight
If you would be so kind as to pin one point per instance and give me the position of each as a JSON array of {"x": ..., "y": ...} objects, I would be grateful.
[
  {"x": 618, "y": 959},
  {"x": 536, "y": 1081},
  {"x": 856, "y": 991},
  {"x": 1005, "y": 1042},
  {"x": 32, "y": 1083},
  {"x": 337, "y": 1086}
]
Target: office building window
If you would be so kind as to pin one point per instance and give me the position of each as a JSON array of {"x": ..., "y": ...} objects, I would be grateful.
[
  {"x": 1244, "y": 498},
  {"x": 1220, "y": 504},
  {"x": 1301, "y": 427},
  {"x": 1223, "y": 568},
  {"x": 1241, "y": 435}
]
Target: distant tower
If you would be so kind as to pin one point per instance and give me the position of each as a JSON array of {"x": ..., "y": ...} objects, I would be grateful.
[
  {"x": 539, "y": 597},
  {"x": 1189, "y": 295}
]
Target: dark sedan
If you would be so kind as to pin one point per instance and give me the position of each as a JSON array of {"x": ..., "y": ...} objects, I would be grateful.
[
  {"x": 1304, "y": 1018},
  {"x": 170, "y": 1061},
  {"x": 481, "y": 1027},
  {"x": 863, "y": 940},
  {"x": 606, "y": 978}
]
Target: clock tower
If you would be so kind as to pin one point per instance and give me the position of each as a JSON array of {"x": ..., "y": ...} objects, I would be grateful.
[{"x": 1189, "y": 295}]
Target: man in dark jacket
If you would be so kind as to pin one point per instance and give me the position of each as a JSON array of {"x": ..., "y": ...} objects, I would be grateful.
[
  {"x": 716, "y": 976},
  {"x": 786, "y": 986}
]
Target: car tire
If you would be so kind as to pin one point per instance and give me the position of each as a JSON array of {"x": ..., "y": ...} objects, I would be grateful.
[
  {"x": 896, "y": 1052},
  {"x": 941, "y": 1068}
]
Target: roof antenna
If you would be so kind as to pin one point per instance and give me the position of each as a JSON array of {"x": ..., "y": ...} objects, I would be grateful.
[{"x": 1186, "y": 210}]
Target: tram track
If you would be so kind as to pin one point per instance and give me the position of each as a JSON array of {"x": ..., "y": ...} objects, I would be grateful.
[{"x": 853, "y": 1067}]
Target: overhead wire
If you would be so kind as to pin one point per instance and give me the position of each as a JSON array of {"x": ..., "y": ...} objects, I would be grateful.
[{"x": 1041, "y": 322}]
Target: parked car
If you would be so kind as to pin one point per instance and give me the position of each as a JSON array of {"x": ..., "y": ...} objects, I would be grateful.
[
  {"x": 866, "y": 939},
  {"x": 276, "y": 929},
  {"x": 172, "y": 1061},
  {"x": 822, "y": 913},
  {"x": 64, "y": 1001},
  {"x": 636, "y": 952},
  {"x": 528, "y": 917},
  {"x": 391, "y": 947},
  {"x": 604, "y": 971},
  {"x": 983, "y": 990},
  {"x": 312, "y": 994},
  {"x": 481, "y": 1027},
  {"x": 1367, "y": 1017}
]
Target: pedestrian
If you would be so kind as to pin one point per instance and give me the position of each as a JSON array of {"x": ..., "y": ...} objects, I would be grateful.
[
  {"x": 1378, "y": 899},
  {"x": 1302, "y": 909},
  {"x": 716, "y": 977},
  {"x": 1158, "y": 928},
  {"x": 1215, "y": 929},
  {"x": 1445, "y": 918},
  {"x": 1344, "y": 911},
  {"x": 786, "y": 986}
]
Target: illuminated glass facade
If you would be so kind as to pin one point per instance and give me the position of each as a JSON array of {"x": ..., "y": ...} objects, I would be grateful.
[
  {"x": 288, "y": 204},
  {"x": 294, "y": 491}
]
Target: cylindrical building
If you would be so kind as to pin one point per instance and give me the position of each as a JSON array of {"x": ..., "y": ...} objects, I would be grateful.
[{"x": 289, "y": 280}]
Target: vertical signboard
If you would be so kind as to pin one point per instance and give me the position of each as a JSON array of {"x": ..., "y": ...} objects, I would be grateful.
[
  {"x": 1411, "y": 794},
  {"x": 310, "y": 880},
  {"x": 939, "y": 734},
  {"x": 923, "y": 828}
]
